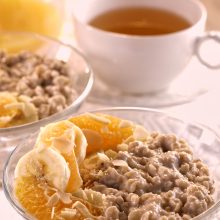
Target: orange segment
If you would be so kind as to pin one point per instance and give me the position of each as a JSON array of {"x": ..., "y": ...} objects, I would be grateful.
[
  {"x": 75, "y": 181},
  {"x": 56, "y": 130},
  {"x": 106, "y": 135},
  {"x": 33, "y": 199}
]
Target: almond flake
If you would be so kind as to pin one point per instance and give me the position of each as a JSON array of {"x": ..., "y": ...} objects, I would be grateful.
[
  {"x": 122, "y": 147},
  {"x": 125, "y": 124},
  {"x": 128, "y": 140},
  {"x": 52, "y": 213},
  {"x": 68, "y": 213},
  {"x": 14, "y": 105},
  {"x": 140, "y": 133},
  {"x": 111, "y": 153},
  {"x": 5, "y": 119},
  {"x": 119, "y": 163},
  {"x": 24, "y": 98},
  {"x": 103, "y": 157},
  {"x": 29, "y": 111},
  {"x": 83, "y": 210},
  {"x": 95, "y": 160},
  {"x": 53, "y": 200},
  {"x": 80, "y": 194},
  {"x": 63, "y": 145},
  {"x": 65, "y": 197},
  {"x": 99, "y": 118}
]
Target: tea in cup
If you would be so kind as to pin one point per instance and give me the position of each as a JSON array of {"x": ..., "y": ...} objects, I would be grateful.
[{"x": 140, "y": 46}]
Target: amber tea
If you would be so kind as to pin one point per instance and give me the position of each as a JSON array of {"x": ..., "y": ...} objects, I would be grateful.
[{"x": 140, "y": 21}]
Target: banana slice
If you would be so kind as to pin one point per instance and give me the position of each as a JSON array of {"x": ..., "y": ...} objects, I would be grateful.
[
  {"x": 47, "y": 164},
  {"x": 70, "y": 141},
  {"x": 65, "y": 137}
]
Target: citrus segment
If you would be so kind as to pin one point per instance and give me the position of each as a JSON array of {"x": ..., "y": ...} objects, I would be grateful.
[
  {"x": 51, "y": 132},
  {"x": 102, "y": 131},
  {"x": 33, "y": 198},
  {"x": 75, "y": 181}
]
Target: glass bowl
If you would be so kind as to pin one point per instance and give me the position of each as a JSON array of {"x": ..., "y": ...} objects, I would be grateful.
[
  {"x": 79, "y": 71},
  {"x": 205, "y": 144}
]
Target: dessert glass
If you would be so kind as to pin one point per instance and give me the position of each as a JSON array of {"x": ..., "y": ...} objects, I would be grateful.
[{"x": 204, "y": 141}]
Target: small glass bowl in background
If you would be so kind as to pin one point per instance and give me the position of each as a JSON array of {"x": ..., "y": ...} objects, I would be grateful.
[
  {"x": 80, "y": 74},
  {"x": 205, "y": 144}
]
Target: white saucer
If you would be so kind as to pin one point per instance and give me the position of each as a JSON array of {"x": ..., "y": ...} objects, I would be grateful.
[{"x": 194, "y": 81}]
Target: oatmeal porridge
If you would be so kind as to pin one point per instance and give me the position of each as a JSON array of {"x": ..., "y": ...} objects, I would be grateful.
[
  {"x": 130, "y": 174},
  {"x": 45, "y": 82}
]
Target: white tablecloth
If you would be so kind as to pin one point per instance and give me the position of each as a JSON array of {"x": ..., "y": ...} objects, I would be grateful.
[{"x": 7, "y": 212}]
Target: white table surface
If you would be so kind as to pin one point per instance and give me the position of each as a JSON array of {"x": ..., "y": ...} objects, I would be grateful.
[{"x": 7, "y": 212}]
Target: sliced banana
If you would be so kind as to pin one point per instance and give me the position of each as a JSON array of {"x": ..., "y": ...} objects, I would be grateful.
[
  {"x": 70, "y": 142},
  {"x": 65, "y": 137},
  {"x": 59, "y": 135},
  {"x": 48, "y": 164}
]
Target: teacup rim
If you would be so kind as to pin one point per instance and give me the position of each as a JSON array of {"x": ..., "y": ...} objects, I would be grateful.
[{"x": 202, "y": 19}]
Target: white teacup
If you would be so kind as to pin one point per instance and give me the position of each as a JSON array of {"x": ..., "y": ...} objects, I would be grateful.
[{"x": 140, "y": 64}]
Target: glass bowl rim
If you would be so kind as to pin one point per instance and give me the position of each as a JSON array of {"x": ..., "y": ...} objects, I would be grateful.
[
  {"x": 27, "y": 216},
  {"x": 67, "y": 111}
]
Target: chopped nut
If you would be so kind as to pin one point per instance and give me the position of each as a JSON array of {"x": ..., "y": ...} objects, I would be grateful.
[
  {"x": 68, "y": 213},
  {"x": 53, "y": 200}
]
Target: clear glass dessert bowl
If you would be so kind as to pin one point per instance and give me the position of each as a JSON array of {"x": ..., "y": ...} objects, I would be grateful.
[
  {"x": 79, "y": 73},
  {"x": 205, "y": 144}
]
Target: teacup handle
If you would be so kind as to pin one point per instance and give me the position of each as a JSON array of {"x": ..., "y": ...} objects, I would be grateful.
[{"x": 209, "y": 36}]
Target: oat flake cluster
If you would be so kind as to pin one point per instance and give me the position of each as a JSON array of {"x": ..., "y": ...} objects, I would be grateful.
[
  {"x": 153, "y": 180},
  {"x": 46, "y": 81}
]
